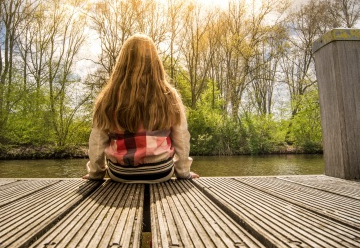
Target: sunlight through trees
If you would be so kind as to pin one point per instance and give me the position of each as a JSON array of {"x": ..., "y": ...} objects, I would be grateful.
[{"x": 245, "y": 69}]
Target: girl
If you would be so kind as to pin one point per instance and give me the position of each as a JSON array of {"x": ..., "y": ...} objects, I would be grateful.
[{"x": 139, "y": 121}]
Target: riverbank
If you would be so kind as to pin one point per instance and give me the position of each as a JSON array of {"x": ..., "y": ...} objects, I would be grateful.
[
  {"x": 55, "y": 152},
  {"x": 42, "y": 152}
]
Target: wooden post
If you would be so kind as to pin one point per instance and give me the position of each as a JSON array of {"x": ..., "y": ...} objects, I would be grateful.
[{"x": 337, "y": 64}]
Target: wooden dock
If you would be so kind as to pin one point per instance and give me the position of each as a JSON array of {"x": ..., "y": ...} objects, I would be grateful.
[{"x": 279, "y": 211}]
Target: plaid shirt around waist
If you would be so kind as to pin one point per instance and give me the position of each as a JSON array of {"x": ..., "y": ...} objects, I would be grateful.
[{"x": 134, "y": 149}]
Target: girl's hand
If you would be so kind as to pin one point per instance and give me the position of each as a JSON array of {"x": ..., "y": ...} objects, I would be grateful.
[
  {"x": 193, "y": 175},
  {"x": 86, "y": 177}
]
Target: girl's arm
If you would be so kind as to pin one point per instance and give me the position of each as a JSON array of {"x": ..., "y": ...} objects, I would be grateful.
[
  {"x": 98, "y": 141},
  {"x": 180, "y": 140}
]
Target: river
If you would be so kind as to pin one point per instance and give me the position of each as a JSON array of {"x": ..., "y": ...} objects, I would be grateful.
[{"x": 267, "y": 165}]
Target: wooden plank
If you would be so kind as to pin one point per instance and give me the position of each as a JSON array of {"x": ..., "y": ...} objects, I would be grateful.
[
  {"x": 181, "y": 216},
  {"x": 337, "y": 207},
  {"x": 24, "y": 220},
  {"x": 276, "y": 221},
  {"x": 12, "y": 191},
  {"x": 110, "y": 217},
  {"x": 6, "y": 181},
  {"x": 333, "y": 185}
]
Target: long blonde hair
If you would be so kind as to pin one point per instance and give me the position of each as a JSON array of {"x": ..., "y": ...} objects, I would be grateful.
[{"x": 137, "y": 92}]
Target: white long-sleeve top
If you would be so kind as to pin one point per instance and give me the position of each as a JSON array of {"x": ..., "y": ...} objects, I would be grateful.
[{"x": 101, "y": 146}]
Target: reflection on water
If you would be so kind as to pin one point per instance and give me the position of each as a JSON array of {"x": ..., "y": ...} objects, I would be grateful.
[
  {"x": 59, "y": 168},
  {"x": 204, "y": 166},
  {"x": 259, "y": 165}
]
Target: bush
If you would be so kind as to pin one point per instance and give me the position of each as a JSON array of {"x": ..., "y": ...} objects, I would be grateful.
[
  {"x": 305, "y": 127},
  {"x": 263, "y": 133}
]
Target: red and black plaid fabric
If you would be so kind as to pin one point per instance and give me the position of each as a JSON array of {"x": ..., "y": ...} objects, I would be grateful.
[{"x": 134, "y": 149}]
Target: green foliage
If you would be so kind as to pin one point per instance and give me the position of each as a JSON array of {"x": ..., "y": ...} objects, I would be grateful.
[
  {"x": 212, "y": 132},
  {"x": 182, "y": 86},
  {"x": 29, "y": 129},
  {"x": 203, "y": 123},
  {"x": 263, "y": 133},
  {"x": 202, "y": 126},
  {"x": 305, "y": 126},
  {"x": 29, "y": 122},
  {"x": 214, "y": 65},
  {"x": 79, "y": 131}
]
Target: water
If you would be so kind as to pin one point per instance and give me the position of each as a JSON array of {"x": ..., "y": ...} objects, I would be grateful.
[
  {"x": 266, "y": 165},
  {"x": 205, "y": 166}
]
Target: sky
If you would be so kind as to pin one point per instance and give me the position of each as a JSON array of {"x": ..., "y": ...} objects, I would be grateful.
[
  {"x": 221, "y": 3},
  {"x": 224, "y": 3}
]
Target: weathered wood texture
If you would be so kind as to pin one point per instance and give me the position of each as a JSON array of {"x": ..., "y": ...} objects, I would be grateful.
[
  {"x": 291, "y": 211},
  {"x": 10, "y": 192},
  {"x": 29, "y": 208},
  {"x": 110, "y": 217},
  {"x": 283, "y": 211},
  {"x": 6, "y": 181},
  {"x": 337, "y": 62},
  {"x": 182, "y": 216}
]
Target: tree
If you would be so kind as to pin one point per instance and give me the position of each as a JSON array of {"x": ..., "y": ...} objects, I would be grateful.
[
  {"x": 49, "y": 48},
  {"x": 33, "y": 44},
  {"x": 114, "y": 21},
  {"x": 307, "y": 24},
  {"x": 67, "y": 29},
  {"x": 195, "y": 49},
  {"x": 345, "y": 13},
  {"x": 14, "y": 14},
  {"x": 226, "y": 63},
  {"x": 150, "y": 19},
  {"x": 175, "y": 11},
  {"x": 246, "y": 31},
  {"x": 266, "y": 72}
]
